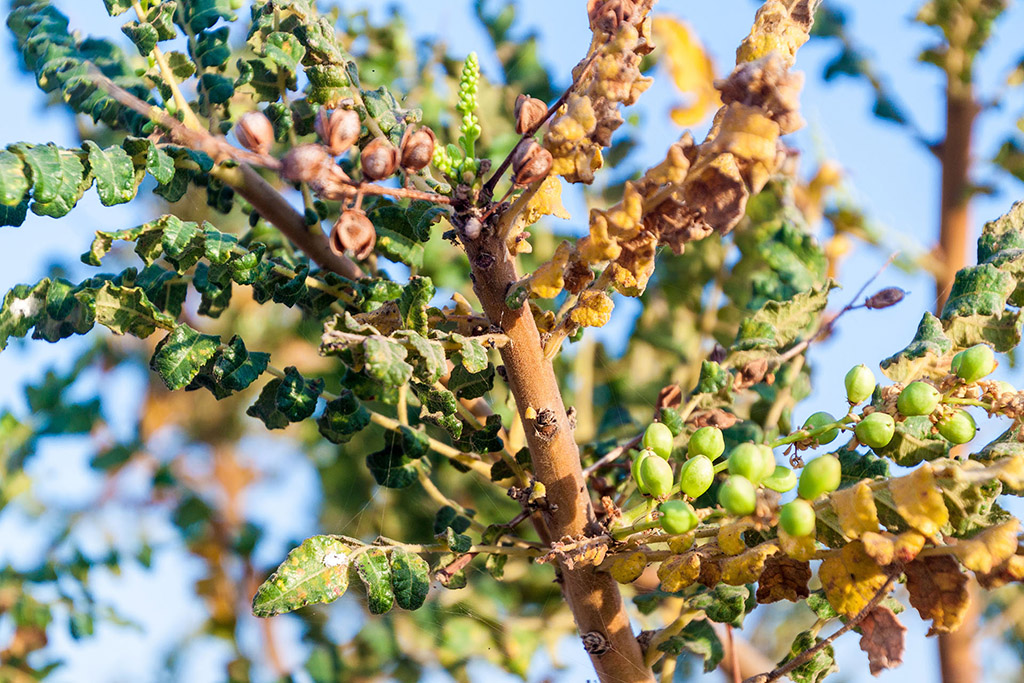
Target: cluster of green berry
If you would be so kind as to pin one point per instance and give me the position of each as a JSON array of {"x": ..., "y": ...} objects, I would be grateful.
[
  {"x": 451, "y": 160},
  {"x": 752, "y": 465}
]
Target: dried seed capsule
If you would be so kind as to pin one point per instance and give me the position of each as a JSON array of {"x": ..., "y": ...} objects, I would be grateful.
[
  {"x": 530, "y": 163},
  {"x": 338, "y": 129},
  {"x": 255, "y": 132},
  {"x": 306, "y": 163},
  {"x": 417, "y": 148},
  {"x": 379, "y": 159},
  {"x": 529, "y": 112},
  {"x": 353, "y": 232}
]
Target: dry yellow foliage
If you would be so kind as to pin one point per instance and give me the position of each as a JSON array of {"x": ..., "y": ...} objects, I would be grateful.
[
  {"x": 797, "y": 547},
  {"x": 747, "y": 567},
  {"x": 679, "y": 571},
  {"x": 938, "y": 590},
  {"x": 776, "y": 29},
  {"x": 549, "y": 279},
  {"x": 989, "y": 549},
  {"x": 628, "y": 568},
  {"x": 690, "y": 67},
  {"x": 851, "y": 579},
  {"x": 730, "y": 537},
  {"x": 547, "y": 201},
  {"x": 594, "y": 309},
  {"x": 783, "y": 578},
  {"x": 919, "y": 501},
  {"x": 855, "y": 507},
  {"x": 1011, "y": 472}
]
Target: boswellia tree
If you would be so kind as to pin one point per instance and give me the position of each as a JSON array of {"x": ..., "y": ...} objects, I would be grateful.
[{"x": 527, "y": 490}]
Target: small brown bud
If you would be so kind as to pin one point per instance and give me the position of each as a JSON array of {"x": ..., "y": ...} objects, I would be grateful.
[
  {"x": 530, "y": 163},
  {"x": 255, "y": 132},
  {"x": 379, "y": 159},
  {"x": 417, "y": 148},
  {"x": 338, "y": 129},
  {"x": 306, "y": 164},
  {"x": 890, "y": 296},
  {"x": 529, "y": 112},
  {"x": 353, "y": 232}
]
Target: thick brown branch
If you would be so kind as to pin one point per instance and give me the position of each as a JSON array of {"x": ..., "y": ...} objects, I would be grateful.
[{"x": 955, "y": 155}]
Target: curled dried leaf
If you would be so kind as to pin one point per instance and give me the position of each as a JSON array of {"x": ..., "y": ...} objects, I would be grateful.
[
  {"x": 883, "y": 638},
  {"x": 851, "y": 579},
  {"x": 938, "y": 590},
  {"x": 783, "y": 578}
]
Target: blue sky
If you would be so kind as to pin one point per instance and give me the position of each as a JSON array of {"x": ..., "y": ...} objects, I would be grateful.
[{"x": 891, "y": 176}]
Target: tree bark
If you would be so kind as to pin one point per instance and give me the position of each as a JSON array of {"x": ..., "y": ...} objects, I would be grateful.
[{"x": 592, "y": 596}]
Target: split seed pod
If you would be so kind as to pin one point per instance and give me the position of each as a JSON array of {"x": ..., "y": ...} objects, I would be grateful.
[
  {"x": 417, "y": 148},
  {"x": 379, "y": 159},
  {"x": 338, "y": 129},
  {"x": 353, "y": 232},
  {"x": 306, "y": 163},
  {"x": 529, "y": 112},
  {"x": 255, "y": 132},
  {"x": 530, "y": 163}
]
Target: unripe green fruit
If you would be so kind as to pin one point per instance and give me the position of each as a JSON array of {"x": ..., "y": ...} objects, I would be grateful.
[
  {"x": 658, "y": 438},
  {"x": 656, "y": 475},
  {"x": 797, "y": 518},
  {"x": 696, "y": 476},
  {"x": 876, "y": 430},
  {"x": 958, "y": 427},
  {"x": 747, "y": 461},
  {"x": 782, "y": 479},
  {"x": 974, "y": 363},
  {"x": 677, "y": 517},
  {"x": 706, "y": 441},
  {"x": 819, "y": 476},
  {"x": 737, "y": 496},
  {"x": 860, "y": 384},
  {"x": 767, "y": 461},
  {"x": 820, "y": 419},
  {"x": 635, "y": 468},
  {"x": 918, "y": 398}
]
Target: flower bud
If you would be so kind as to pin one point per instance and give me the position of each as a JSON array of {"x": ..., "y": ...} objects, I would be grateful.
[
  {"x": 379, "y": 159},
  {"x": 417, "y": 148},
  {"x": 530, "y": 163},
  {"x": 338, "y": 129},
  {"x": 255, "y": 132},
  {"x": 353, "y": 232},
  {"x": 306, "y": 163},
  {"x": 529, "y": 112}
]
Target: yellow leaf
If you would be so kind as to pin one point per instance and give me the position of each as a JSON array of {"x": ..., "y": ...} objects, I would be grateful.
[
  {"x": 730, "y": 537},
  {"x": 851, "y": 579},
  {"x": 990, "y": 548},
  {"x": 938, "y": 590},
  {"x": 548, "y": 280},
  {"x": 919, "y": 501},
  {"x": 628, "y": 568},
  {"x": 797, "y": 547},
  {"x": 594, "y": 309},
  {"x": 855, "y": 507},
  {"x": 680, "y": 544},
  {"x": 908, "y": 545},
  {"x": 546, "y": 202},
  {"x": 747, "y": 567},
  {"x": 879, "y": 547},
  {"x": 1011, "y": 472},
  {"x": 690, "y": 67},
  {"x": 679, "y": 571}
]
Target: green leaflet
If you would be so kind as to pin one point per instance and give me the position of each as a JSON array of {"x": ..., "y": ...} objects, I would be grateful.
[
  {"x": 62, "y": 188},
  {"x": 181, "y": 355},
  {"x": 232, "y": 369},
  {"x": 315, "y": 572},
  {"x": 779, "y": 323},
  {"x": 374, "y": 570},
  {"x": 410, "y": 579},
  {"x": 126, "y": 310},
  {"x": 115, "y": 7},
  {"x": 13, "y": 181},
  {"x": 385, "y": 361},
  {"x": 287, "y": 400},
  {"x": 144, "y": 36},
  {"x": 913, "y": 442},
  {"x": 923, "y": 356},
  {"x": 467, "y": 384},
  {"x": 114, "y": 173},
  {"x": 413, "y": 304},
  {"x": 284, "y": 50},
  {"x": 427, "y": 356},
  {"x": 979, "y": 290},
  {"x": 723, "y": 604},
  {"x": 699, "y": 638},
  {"x": 202, "y": 14},
  {"x": 212, "y": 48},
  {"x": 22, "y": 308},
  {"x": 818, "y": 667},
  {"x": 44, "y": 163},
  {"x": 343, "y": 417},
  {"x": 472, "y": 355},
  {"x": 713, "y": 378}
]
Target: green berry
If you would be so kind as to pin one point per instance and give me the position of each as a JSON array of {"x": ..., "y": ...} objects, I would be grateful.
[
  {"x": 658, "y": 438},
  {"x": 782, "y": 479},
  {"x": 767, "y": 461},
  {"x": 974, "y": 363},
  {"x": 737, "y": 495},
  {"x": 860, "y": 384},
  {"x": 958, "y": 426},
  {"x": 706, "y": 441},
  {"x": 797, "y": 518},
  {"x": 696, "y": 476},
  {"x": 747, "y": 461},
  {"x": 819, "y": 476},
  {"x": 635, "y": 468},
  {"x": 656, "y": 475},
  {"x": 820, "y": 419},
  {"x": 677, "y": 517},
  {"x": 918, "y": 398},
  {"x": 876, "y": 430}
]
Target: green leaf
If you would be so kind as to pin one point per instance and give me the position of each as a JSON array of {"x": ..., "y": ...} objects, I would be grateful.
[
  {"x": 14, "y": 215},
  {"x": 923, "y": 357},
  {"x": 399, "y": 248},
  {"x": 427, "y": 357},
  {"x": 314, "y": 572},
  {"x": 212, "y": 48},
  {"x": 127, "y": 310},
  {"x": 144, "y": 36},
  {"x": 115, "y": 7},
  {"x": 913, "y": 442},
  {"x": 287, "y": 400},
  {"x": 181, "y": 66},
  {"x": 818, "y": 667},
  {"x": 182, "y": 354},
  {"x": 162, "y": 18},
  {"x": 699, "y": 638},
  {"x": 472, "y": 355},
  {"x": 13, "y": 181},
  {"x": 856, "y": 466},
  {"x": 374, "y": 570},
  {"x": 23, "y": 307},
  {"x": 979, "y": 290},
  {"x": 413, "y": 304},
  {"x": 218, "y": 89},
  {"x": 724, "y": 604},
  {"x": 385, "y": 361},
  {"x": 713, "y": 378},
  {"x": 343, "y": 417},
  {"x": 467, "y": 384},
  {"x": 1001, "y": 331},
  {"x": 410, "y": 579},
  {"x": 392, "y": 468},
  {"x": 71, "y": 184},
  {"x": 284, "y": 50},
  {"x": 114, "y": 172},
  {"x": 780, "y": 323},
  {"x": 219, "y": 246},
  {"x": 44, "y": 162},
  {"x": 202, "y": 14}
]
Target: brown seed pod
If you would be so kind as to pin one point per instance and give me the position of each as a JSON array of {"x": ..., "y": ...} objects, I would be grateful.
[
  {"x": 353, "y": 232},
  {"x": 306, "y": 164},
  {"x": 338, "y": 129},
  {"x": 890, "y": 296},
  {"x": 379, "y": 159},
  {"x": 529, "y": 112},
  {"x": 255, "y": 132},
  {"x": 530, "y": 163},
  {"x": 417, "y": 148}
]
